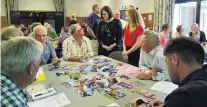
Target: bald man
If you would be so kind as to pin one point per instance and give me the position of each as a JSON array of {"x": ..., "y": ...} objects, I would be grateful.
[
  {"x": 117, "y": 16},
  {"x": 49, "y": 55}
]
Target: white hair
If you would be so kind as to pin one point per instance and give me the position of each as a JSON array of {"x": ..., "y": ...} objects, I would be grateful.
[
  {"x": 38, "y": 27},
  {"x": 195, "y": 24},
  {"x": 17, "y": 53},
  {"x": 117, "y": 11}
]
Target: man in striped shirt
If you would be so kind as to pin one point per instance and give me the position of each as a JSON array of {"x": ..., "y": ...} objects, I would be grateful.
[{"x": 76, "y": 47}]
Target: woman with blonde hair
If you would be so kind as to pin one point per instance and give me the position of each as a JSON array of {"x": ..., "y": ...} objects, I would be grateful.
[
  {"x": 132, "y": 37},
  {"x": 73, "y": 19},
  {"x": 140, "y": 20}
]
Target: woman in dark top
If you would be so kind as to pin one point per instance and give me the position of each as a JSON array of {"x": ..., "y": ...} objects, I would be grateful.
[{"x": 109, "y": 32}]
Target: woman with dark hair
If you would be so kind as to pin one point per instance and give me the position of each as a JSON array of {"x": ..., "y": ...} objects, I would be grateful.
[
  {"x": 25, "y": 31},
  {"x": 109, "y": 32},
  {"x": 180, "y": 32},
  {"x": 132, "y": 37},
  {"x": 165, "y": 34}
]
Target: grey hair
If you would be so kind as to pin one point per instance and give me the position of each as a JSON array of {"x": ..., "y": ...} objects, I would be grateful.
[
  {"x": 72, "y": 29},
  {"x": 195, "y": 24},
  {"x": 152, "y": 37},
  {"x": 38, "y": 27},
  {"x": 17, "y": 53},
  {"x": 117, "y": 11},
  {"x": 10, "y": 32}
]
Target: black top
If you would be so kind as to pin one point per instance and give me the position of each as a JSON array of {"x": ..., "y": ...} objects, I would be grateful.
[
  {"x": 192, "y": 91},
  {"x": 109, "y": 33},
  {"x": 202, "y": 36},
  {"x": 93, "y": 21},
  {"x": 73, "y": 22}
]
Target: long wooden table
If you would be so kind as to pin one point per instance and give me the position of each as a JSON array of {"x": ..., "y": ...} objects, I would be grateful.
[{"x": 97, "y": 99}]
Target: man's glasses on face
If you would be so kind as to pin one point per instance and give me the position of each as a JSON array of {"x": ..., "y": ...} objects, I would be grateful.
[{"x": 40, "y": 35}]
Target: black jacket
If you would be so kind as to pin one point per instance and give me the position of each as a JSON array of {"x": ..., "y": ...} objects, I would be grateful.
[
  {"x": 202, "y": 36},
  {"x": 192, "y": 92}
]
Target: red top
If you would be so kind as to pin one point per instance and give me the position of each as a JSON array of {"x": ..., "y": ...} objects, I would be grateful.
[{"x": 131, "y": 37}]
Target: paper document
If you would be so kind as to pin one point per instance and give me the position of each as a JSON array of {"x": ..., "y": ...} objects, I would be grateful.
[
  {"x": 127, "y": 69},
  {"x": 39, "y": 91},
  {"x": 113, "y": 105},
  {"x": 58, "y": 100},
  {"x": 164, "y": 87}
]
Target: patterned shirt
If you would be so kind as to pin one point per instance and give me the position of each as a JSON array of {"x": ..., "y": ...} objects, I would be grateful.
[
  {"x": 72, "y": 48},
  {"x": 11, "y": 94},
  {"x": 48, "y": 53}
]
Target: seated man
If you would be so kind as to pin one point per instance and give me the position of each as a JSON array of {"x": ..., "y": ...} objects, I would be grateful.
[
  {"x": 20, "y": 60},
  {"x": 197, "y": 35},
  {"x": 152, "y": 58},
  {"x": 184, "y": 58},
  {"x": 40, "y": 34},
  {"x": 76, "y": 47}
]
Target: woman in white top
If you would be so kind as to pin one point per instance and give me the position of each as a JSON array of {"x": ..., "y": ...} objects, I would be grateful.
[{"x": 180, "y": 32}]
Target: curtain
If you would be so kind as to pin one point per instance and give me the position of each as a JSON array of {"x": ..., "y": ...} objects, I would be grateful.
[
  {"x": 59, "y": 5},
  {"x": 11, "y": 5},
  {"x": 163, "y": 13}
]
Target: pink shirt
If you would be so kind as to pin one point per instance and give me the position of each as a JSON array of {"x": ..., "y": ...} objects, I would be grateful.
[{"x": 163, "y": 40}]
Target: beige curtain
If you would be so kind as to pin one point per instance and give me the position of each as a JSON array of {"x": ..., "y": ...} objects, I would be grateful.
[
  {"x": 163, "y": 13},
  {"x": 59, "y": 5},
  {"x": 11, "y": 5}
]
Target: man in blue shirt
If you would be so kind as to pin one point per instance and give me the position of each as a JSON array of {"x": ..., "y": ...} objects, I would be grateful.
[
  {"x": 20, "y": 60},
  {"x": 93, "y": 20},
  {"x": 49, "y": 54}
]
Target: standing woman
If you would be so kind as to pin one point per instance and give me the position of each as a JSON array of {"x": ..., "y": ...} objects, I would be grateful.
[
  {"x": 109, "y": 32},
  {"x": 132, "y": 37}
]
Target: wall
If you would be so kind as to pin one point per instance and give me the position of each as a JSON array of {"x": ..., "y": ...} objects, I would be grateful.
[
  {"x": 81, "y": 7},
  {"x": 144, "y": 6},
  {"x": 36, "y": 5},
  {"x": 3, "y": 14},
  {"x": 3, "y": 8}
]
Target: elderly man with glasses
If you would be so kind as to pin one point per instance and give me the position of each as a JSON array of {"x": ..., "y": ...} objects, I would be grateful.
[
  {"x": 152, "y": 58},
  {"x": 76, "y": 47},
  {"x": 49, "y": 54}
]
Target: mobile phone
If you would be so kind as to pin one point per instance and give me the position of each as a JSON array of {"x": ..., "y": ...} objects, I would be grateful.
[{"x": 60, "y": 73}]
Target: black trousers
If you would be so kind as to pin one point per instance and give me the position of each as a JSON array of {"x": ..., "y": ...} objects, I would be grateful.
[
  {"x": 104, "y": 52},
  {"x": 133, "y": 58}
]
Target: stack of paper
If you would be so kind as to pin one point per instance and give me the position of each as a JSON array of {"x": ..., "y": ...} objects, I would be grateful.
[
  {"x": 164, "y": 87},
  {"x": 58, "y": 100},
  {"x": 39, "y": 91}
]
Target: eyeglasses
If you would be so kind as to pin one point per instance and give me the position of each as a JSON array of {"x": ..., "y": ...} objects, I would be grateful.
[{"x": 104, "y": 14}]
